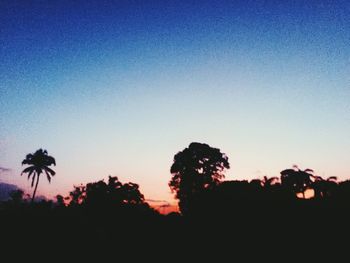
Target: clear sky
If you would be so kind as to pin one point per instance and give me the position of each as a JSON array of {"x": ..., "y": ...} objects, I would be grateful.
[{"x": 119, "y": 88}]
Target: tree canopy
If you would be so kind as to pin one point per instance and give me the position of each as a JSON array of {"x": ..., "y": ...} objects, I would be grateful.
[
  {"x": 194, "y": 170},
  {"x": 111, "y": 194}
]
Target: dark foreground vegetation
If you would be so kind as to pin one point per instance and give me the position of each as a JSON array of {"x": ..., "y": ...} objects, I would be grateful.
[{"x": 261, "y": 218}]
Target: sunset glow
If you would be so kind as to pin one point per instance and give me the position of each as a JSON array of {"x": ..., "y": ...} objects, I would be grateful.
[
  {"x": 309, "y": 193},
  {"x": 118, "y": 89}
]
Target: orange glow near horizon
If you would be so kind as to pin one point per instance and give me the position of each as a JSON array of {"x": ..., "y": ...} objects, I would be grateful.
[
  {"x": 168, "y": 209},
  {"x": 164, "y": 208},
  {"x": 269, "y": 91},
  {"x": 309, "y": 193}
]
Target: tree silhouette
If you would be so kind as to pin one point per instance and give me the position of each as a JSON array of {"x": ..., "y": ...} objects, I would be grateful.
[
  {"x": 60, "y": 201},
  {"x": 297, "y": 180},
  {"x": 131, "y": 194},
  {"x": 77, "y": 196},
  {"x": 269, "y": 182},
  {"x": 102, "y": 194},
  {"x": 39, "y": 163},
  {"x": 194, "y": 170},
  {"x": 342, "y": 193},
  {"x": 17, "y": 196},
  {"x": 324, "y": 188}
]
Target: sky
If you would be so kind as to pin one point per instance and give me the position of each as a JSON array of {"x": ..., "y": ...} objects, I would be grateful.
[{"x": 119, "y": 87}]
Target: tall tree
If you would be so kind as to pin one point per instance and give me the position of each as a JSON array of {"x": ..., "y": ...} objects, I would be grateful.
[
  {"x": 39, "y": 163},
  {"x": 196, "y": 169},
  {"x": 297, "y": 180}
]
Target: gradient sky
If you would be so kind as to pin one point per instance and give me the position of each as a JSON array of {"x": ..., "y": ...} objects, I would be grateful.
[{"x": 119, "y": 88}]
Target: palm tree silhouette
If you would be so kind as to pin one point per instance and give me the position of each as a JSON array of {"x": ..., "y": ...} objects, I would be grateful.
[
  {"x": 39, "y": 162},
  {"x": 268, "y": 182},
  {"x": 297, "y": 180},
  {"x": 324, "y": 187}
]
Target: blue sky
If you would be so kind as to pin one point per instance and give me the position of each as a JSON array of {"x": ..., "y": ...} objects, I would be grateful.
[{"x": 119, "y": 88}]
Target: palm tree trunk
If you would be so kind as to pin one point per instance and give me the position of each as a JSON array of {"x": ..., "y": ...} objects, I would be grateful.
[{"x": 36, "y": 186}]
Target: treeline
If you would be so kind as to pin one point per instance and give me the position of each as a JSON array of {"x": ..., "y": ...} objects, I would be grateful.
[{"x": 298, "y": 205}]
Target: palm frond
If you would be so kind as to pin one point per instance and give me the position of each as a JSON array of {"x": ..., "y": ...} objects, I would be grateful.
[
  {"x": 28, "y": 159},
  {"x": 332, "y": 178},
  {"x": 271, "y": 180},
  {"x": 48, "y": 176},
  {"x": 49, "y": 170},
  {"x": 296, "y": 167},
  {"x": 317, "y": 178},
  {"x": 50, "y": 160},
  {"x": 27, "y": 170},
  {"x": 30, "y": 174}
]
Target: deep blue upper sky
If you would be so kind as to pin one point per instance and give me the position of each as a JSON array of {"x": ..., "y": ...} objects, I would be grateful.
[{"x": 119, "y": 87}]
